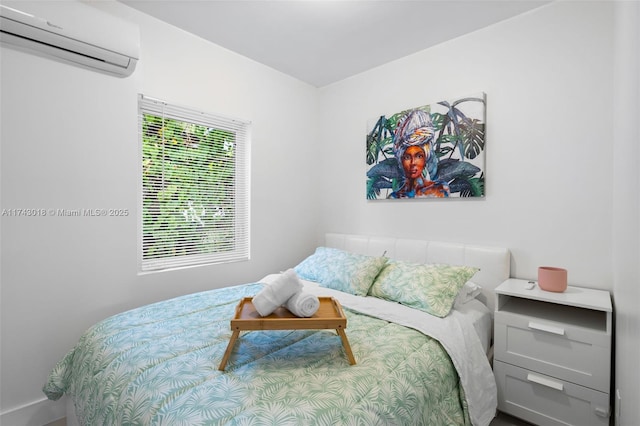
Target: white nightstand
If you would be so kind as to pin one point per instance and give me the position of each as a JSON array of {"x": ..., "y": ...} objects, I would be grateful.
[{"x": 552, "y": 357}]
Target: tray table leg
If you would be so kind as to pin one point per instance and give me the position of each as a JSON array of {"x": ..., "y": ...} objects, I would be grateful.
[
  {"x": 227, "y": 353},
  {"x": 347, "y": 347}
]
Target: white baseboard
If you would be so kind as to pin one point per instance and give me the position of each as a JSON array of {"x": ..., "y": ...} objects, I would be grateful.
[{"x": 37, "y": 413}]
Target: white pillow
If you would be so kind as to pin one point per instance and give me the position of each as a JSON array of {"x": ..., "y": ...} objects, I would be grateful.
[{"x": 468, "y": 292}]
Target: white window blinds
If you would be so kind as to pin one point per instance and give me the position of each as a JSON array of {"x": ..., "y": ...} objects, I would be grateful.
[{"x": 194, "y": 192}]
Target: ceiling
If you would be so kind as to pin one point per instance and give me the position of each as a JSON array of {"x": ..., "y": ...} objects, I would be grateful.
[{"x": 324, "y": 41}]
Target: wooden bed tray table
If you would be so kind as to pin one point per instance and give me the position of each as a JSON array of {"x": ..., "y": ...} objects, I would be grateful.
[{"x": 329, "y": 316}]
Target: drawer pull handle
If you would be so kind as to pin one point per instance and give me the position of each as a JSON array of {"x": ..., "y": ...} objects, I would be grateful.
[
  {"x": 547, "y": 328},
  {"x": 544, "y": 382}
]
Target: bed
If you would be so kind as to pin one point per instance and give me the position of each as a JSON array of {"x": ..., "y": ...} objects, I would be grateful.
[{"x": 415, "y": 364}]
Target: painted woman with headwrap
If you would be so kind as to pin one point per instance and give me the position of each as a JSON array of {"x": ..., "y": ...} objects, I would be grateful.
[{"x": 413, "y": 148}]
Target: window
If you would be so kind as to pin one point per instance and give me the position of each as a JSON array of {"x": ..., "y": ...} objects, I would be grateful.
[{"x": 194, "y": 195}]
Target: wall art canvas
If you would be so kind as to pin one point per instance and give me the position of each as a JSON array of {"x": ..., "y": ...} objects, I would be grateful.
[{"x": 432, "y": 151}]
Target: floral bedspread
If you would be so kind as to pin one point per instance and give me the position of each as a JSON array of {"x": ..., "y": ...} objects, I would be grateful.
[{"x": 158, "y": 365}]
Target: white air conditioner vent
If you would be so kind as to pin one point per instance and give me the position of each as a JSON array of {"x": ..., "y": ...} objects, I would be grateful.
[{"x": 72, "y": 32}]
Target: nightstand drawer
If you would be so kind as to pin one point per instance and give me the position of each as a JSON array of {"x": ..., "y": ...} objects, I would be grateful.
[
  {"x": 546, "y": 400},
  {"x": 569, "y": 351}
]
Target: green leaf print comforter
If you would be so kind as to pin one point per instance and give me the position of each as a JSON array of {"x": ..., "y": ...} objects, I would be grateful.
[{"x": 157, "y": 365}]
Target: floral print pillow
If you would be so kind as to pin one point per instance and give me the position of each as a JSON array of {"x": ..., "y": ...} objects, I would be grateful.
[
  {"x": 341, "y": 270},
  {"x": 430, "y": 288}
]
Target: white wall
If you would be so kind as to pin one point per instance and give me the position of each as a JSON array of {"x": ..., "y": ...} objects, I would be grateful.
[
  {"x": 69, "y": 140},
  {"x": 548, "y": 79},
  {"x": 626, "y": 208}
]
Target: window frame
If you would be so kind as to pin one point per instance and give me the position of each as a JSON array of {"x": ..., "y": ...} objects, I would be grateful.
[{"x": 241, "y": 218}]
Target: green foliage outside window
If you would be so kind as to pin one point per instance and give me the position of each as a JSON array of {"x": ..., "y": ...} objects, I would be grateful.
[{"x": 188, "y": 173}]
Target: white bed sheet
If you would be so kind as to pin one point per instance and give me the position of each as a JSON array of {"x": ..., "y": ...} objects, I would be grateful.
[{"x": 480, "y": 316}]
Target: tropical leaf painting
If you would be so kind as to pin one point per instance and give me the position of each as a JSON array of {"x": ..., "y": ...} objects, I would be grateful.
[{"x": 435, "y": 150}]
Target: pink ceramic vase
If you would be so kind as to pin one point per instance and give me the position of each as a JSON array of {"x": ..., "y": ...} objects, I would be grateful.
[{"x": 552, "y": 279}]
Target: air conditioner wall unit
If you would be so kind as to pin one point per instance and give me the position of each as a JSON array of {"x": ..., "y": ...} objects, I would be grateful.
[{"x": 72, "y": 32}]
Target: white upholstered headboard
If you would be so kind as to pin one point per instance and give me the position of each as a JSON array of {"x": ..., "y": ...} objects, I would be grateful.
[{"x": 494, "y": 262}]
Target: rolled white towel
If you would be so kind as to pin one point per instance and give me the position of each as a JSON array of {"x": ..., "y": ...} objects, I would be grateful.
[
  {"x": 303, "y": 304},
  {"x": 277, "y": 293}
]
